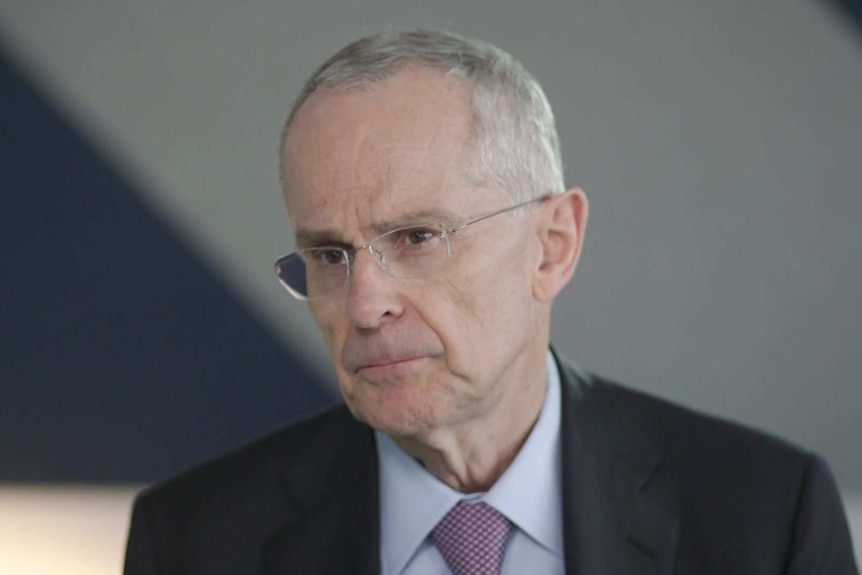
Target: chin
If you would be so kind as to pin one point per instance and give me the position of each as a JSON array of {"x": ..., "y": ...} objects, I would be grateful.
[{"x": 394, "y": 412}]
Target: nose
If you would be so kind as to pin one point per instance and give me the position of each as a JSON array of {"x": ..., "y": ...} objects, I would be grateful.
[{"x": 372, "y": 294}]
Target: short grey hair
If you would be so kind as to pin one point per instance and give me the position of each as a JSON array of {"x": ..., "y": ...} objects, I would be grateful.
[{"x": 515, "y": 141}]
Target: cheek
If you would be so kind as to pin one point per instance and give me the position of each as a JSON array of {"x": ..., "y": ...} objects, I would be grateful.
[
  {"x": 471, "y": 314},
  {"x": 326, "y": 317},
  {"x": 493, "y": 301}
]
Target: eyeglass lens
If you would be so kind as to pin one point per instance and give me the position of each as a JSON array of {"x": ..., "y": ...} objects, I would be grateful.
[{"x": 403, "y": 253}]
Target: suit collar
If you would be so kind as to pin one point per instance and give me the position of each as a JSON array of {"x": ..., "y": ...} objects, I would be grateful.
[
  {"x": 610, "y": 523},
  {"x": 331, "y": 505}
]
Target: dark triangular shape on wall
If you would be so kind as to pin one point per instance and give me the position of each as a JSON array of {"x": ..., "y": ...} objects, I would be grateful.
[
  {"x": 122, "y": 356},
  {"x": 851, "y": 9}
]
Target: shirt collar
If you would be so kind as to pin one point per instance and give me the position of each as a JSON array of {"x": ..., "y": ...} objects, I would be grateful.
[{"x": 529, "y": 493}]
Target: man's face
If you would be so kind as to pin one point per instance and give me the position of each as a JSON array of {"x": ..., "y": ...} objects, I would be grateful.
[{"x": 414, "y": 355}]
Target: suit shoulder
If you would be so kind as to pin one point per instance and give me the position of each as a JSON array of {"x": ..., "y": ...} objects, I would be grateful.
[
  {"x": 247, "y": 495},
  {"x": 713, "y": 475},
  {"x": 255, "y": 462},
  {"x": 678, "y": 431}
]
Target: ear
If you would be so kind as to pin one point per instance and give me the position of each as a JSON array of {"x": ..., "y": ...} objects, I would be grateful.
[{"x": 561, "y": 235}]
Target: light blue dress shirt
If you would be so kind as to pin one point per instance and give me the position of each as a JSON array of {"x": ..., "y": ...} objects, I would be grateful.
[{"x": 529, "y": 494}]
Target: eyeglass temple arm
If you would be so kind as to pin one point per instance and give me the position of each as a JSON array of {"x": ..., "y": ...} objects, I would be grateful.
[{"x": 459, "y": 227}]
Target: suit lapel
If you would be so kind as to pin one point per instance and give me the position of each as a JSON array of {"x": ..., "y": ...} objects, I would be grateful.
[
  {"x": 331, "y": 522},
  {"x": 610, "y": 524}
]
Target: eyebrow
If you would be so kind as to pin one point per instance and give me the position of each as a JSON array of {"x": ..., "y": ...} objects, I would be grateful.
[
  {"x": 307, "y": 238},
  {"x": 431, "y": 216}
]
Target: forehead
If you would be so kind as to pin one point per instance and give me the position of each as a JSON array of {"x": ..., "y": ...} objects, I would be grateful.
[{"x": 359, "y": 157}]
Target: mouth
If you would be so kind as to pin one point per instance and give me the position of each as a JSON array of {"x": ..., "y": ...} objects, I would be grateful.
[
  {"x": 385, "y": 362},
  {"x": 390, "y": 368}
]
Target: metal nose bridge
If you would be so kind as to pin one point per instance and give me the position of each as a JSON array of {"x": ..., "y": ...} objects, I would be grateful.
[{"x": 378, "y": 255}]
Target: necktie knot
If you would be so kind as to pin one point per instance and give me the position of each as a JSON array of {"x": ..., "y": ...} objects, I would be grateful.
[{"x": 472, "y": 539}]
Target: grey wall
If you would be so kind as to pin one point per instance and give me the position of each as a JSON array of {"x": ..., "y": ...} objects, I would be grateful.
[{"x": 719, "y": 143}]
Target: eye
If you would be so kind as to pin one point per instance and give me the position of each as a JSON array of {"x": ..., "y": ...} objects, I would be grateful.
[
  {"x": 409, "y": 242},
  {"x": 416, "y": 236},
  {"x": 326, "y": 257},
  {"x": 414, "y": 241}
]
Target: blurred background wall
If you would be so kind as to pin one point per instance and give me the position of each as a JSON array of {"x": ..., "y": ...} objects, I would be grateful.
[{"x": 141, "y": 325}]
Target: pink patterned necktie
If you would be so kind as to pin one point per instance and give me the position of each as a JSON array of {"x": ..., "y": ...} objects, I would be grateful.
[{"x": 472, "y": 539}]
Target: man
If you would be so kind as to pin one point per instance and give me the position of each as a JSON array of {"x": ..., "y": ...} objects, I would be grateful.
[{"x": 422, "y": 177}]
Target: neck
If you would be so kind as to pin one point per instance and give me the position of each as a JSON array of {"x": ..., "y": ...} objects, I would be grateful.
[{"x": 471, "y": 456}]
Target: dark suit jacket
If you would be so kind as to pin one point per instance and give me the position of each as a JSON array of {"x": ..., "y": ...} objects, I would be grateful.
[{"x": 649, "y": 488}]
